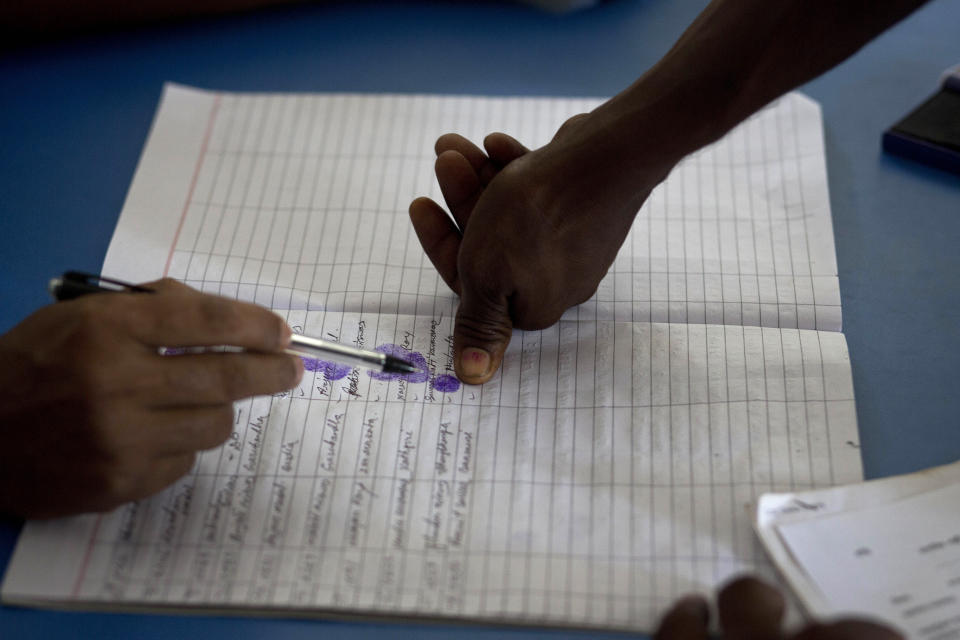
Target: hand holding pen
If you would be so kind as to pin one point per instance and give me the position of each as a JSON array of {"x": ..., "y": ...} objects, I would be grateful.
[
  {"x": 92, "y": 416},
  {"x": 74, "y": 284}
]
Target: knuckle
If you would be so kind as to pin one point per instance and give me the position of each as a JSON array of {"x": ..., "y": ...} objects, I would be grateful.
[
  {"x": 570, "y": 123},
  {"x": 537, "y": 307},
  {"x": 482, "y": 329},
  {"x": 236, "y": 320},
  {"x": 171, "y": 284},
  {"x": 221, "y": 314},
  {"x": 167, "y": 285},
  {"x": 149, "y": 315},
  {"x": 528, "y": 319}
]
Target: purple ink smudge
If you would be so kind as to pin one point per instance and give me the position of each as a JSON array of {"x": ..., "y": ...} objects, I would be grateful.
[
  {"x": 312, "y": 364},
  {"x": 330, "y": 370},
  {"x": 446, "y": 383},
  {"x": 336, "y": 371},
  {"x": 414, "y": 358}
]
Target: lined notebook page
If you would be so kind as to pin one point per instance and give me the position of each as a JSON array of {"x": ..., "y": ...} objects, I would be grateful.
[
  {"x": 299, "y": 201},
  {"x": 606, "y": 470}
]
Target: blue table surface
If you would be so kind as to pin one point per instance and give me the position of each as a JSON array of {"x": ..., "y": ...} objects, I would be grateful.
[{"x": 74, "y": 115}]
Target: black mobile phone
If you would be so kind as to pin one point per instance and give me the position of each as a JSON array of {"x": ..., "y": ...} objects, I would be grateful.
[{"x": 931, "y": 132}]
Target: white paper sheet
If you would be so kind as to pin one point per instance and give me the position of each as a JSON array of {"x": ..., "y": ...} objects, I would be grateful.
[
  {"x": 888, "y": 549},
  {"x": 606, "y": 469}
]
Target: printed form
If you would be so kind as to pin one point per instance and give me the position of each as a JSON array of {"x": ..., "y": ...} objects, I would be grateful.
[
  {"x": 887, "y": 549},
  {"x": 606, "y": 470}
]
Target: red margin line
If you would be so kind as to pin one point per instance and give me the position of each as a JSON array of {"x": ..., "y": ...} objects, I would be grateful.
[
  {"x": 86, "y": 557},
  {"x": 193, "y": 184}
]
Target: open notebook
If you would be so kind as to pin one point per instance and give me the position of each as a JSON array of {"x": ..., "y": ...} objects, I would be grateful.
[{"x": 606, "y": 470}]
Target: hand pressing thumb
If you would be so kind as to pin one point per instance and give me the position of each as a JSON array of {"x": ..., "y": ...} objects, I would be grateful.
[{"x": 481, "y": 334}]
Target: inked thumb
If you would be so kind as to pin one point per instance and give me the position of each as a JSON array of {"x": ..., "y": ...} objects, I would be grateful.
[{"x": 481, "y": 334}]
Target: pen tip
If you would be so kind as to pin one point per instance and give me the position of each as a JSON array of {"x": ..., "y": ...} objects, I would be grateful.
[{"x": 397, "y": 365}]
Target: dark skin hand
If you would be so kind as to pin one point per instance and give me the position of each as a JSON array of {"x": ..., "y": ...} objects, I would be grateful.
[
  {"x": 752, "y": 610},
  {"x": 93, "y": 416},
  {"x": 523, "y": 257},
  {"x": 537, "y": 230}
]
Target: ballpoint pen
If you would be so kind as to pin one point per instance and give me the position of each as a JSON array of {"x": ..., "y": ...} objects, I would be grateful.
[{"x": 74, "y": 284}]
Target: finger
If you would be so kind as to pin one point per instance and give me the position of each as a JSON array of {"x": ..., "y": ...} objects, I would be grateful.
[
  {"x": 455, "y": 142},
  {"x": 182, "y": 430},
  {"x": 484, "y": 168},
  {"x": 503, "y": 149},
  {"x": 848, "y": 630},
  {"x": 177, "y": 316},
  {"x": 750, "y": 610},
  {"x": 687, "y": 620},
  {"x": 460, "y": 185},
  {"x": 481, "y": 334},
  {"x": 439, "y": 238},
  {"x": 218, "y": 378}
]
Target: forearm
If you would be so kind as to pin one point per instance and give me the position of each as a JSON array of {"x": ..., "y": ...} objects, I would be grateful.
[
  {"x": 22, "y": 19},
  {"x": 737, "y": 56},
  {"x": 539, "y": 235}
]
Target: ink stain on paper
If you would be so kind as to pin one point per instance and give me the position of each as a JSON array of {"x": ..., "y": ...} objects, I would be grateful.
[
  {"x": 329, "y": 370},
  {"x": 413, "y": 357},
  {"x": 333, "y": 371},
  {"x": 446, "y": 383}
]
